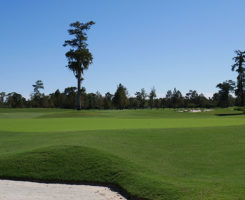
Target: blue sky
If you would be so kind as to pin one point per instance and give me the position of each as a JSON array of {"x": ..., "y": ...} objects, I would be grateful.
[{"x": 139, "y": 43}]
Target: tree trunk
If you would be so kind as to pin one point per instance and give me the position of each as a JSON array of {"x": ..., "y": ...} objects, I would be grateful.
[
  {"x": 242, "y": 97},
  {"x": 241, "y": 91},
  {"x": 79, "y": 80},
  {"x": 241, "y": 77}
]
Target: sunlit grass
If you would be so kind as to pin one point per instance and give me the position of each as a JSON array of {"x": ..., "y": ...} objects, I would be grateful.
[{"x": 155, "y": 154}]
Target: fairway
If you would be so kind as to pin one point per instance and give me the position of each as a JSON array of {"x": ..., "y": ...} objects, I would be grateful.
[{"x": 149, "y": 154}]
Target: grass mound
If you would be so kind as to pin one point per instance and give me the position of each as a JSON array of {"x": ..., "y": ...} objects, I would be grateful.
[{"x": 78, "y": 164}]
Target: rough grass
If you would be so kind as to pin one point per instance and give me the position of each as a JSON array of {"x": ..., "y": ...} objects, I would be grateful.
[{"x": 152, "y": 154}]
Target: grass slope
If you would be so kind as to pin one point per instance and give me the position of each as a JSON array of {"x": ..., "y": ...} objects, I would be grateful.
[
  {"x": 200, "y": 158},
  {"x": 76, "y": 164}
]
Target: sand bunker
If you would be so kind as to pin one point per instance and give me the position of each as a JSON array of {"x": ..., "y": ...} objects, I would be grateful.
[
  {"x": 195, "y": 110},
  {"x": 21, "y": 190}
]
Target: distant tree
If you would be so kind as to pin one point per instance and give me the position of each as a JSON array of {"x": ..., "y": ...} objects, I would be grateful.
[
  {"x": 70, "y": 97},
  {"x": 99, "y": 101},
  {"x": 239, "y": 68},
  {"x": 15, "y": 100},
  {"x": 137, "y": 99},
  {"x": 108, "y": 100},
  {"x": 2, "y": 97},
  {"x": 191, "y": 99},
  {"x": 203, "y": 102},
  {"x": 225, "y": 88},
  {"x": 70, "y": 91},
  {"x": 79, "y": 56},
  {"x": 177, "y": 99},
  {"x": 174, "y": 99},
  {"x": 37, "y": 86},
  {"x": 84, "y": 98},
  {"x": 141, "y": 98},
  {"x": 36, "y": 97},
  {"x": 120, "y": 100},
  {"x": 163, "y": 102},
  {"x": 45, "y": 103},
  {"x": 57, "y": 99},
  {"x": 157, "y": 103},
  {"x": 91, "y": 100},
  {"x": 133, "y": 103},
  {"x": 215, "y": 99},
  {"x": 168, "y": 99},
  {"x": 152, "y": 96},
  {"x": 192, "y": 94}
]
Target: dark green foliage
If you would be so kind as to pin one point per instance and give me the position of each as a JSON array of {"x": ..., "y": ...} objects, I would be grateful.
[
  {"x": 141, "y": 98},
  {"x": 15, "y": 100},
  {"x": 133, "y": 103},
  {"x": 70, "y": 97},
  {"x": 239, "y": 60},
  {"x": 2, "y": 97},
  {"x": 37, "y": 86},
  {"x": 225, "y": 88},
  {"x": 37, "y": 97},
  {"x": 108, "y": 100},
  {"x": 191, "y": 98},
  {"x": 120, "y": 100},
  {"x": 79, "y": 56},
  {"x": 177, "y": 98},
  {"x": 99, "y": 101},
  {"x": 174, "y": 99},
  {"x": 152, "y": 96},
  {"x": 57, "y": 99},
  {"x": 194, "y": 100}
]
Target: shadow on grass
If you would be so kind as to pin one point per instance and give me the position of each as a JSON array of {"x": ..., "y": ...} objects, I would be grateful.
[{"x": 230, "y": 114}]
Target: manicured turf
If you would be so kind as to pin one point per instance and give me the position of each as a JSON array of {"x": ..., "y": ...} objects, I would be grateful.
[{"x": 152, "y": 154}]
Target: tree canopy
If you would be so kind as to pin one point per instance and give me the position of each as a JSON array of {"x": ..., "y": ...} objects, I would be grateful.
[
  {"x": 225, "y": 88},
  {"x": 238, "y": 66},
  {"x": 79, "y": 57},
  {"x": 120, "y": 97}
]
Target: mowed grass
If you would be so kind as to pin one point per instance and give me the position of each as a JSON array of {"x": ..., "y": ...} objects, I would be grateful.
[{"x": 151, "y": 154}]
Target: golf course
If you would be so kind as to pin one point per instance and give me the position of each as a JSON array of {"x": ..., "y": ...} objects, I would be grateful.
[{"x": 155, "y": 154}]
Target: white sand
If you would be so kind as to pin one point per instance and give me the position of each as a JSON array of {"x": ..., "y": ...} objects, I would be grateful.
[
  {"x": 21, "y": 190},
  {"x": 195, "y": 110}
]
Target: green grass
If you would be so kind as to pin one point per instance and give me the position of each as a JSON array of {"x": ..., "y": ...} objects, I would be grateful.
[{"x": 151, "y": 154}]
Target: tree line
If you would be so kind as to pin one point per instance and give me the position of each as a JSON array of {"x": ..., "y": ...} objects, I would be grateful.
[
  {"x": 120, "y": 99},
  {"x": 79, "y": 59}
]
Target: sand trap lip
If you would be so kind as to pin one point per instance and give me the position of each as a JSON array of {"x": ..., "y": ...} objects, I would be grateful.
[{"x": 24, "y": 190}]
